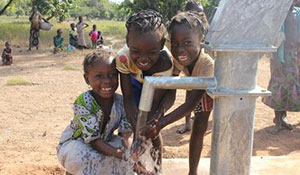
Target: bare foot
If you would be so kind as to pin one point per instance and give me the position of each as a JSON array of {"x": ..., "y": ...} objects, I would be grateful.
[
  {"x": 280, "y": 124},
  {"x": 276, "y": 129},
  {"x": 184, "y": 128}
]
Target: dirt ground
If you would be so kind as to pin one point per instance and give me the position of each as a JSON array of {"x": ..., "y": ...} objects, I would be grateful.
[{"x": 33, "y": 116}]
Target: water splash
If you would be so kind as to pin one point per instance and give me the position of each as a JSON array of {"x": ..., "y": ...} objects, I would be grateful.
[{"x": 148, "y": 157}]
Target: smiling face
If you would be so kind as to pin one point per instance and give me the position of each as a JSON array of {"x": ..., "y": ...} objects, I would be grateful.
[
  {"x": 102, "y": 76},
  {"x": 185, "y": 44},
  {"x": 144, "y": 48}
]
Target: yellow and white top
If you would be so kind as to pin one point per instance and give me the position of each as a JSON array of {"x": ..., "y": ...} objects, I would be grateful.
[{"x": 125, "y": 65}]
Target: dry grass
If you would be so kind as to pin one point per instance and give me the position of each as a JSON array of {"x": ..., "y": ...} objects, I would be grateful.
[
  {"x": 18, "y": 81},
  {"x": 69, "y": 67}
]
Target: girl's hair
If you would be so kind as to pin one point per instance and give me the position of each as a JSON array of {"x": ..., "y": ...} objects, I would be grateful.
[
  {"x": 195, "y": 20},
  {"x": 7, "y": 42},
  {"x": 94, "y": 25},
  {"x": 145, "y": 21},
  {"x": 193, "y": 5},
  {"x": 104, "y": 55}
]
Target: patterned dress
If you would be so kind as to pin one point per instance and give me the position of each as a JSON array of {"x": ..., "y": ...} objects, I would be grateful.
[
  {"x": 284, "y": 83},
  {"x": 34, "y": 39},
  {"x": 74, "y": 151}
]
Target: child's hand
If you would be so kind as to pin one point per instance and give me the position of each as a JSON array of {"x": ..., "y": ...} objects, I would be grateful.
[{"x": 152, "y": 129}]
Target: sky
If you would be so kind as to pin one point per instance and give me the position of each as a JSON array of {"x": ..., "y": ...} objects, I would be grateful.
[{"x": 117, "y": 1}]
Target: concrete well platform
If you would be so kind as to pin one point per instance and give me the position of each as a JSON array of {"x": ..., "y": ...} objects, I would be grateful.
[{"x": 270, "y": 165}]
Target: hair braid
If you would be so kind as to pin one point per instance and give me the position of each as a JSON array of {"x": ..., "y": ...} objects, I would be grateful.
[
  {"x": 145, "y": 21},
  {"x": 193, "y": 19}
]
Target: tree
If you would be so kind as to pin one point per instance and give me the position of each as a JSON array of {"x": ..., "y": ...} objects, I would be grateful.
[
  {"x": 54, "y": 8},
  {"x": 5, "y": 7},
  {"x": 167, "y": 8}
]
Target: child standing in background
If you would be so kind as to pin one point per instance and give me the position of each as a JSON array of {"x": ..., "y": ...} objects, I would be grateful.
[
  {"x": 73, "y": 38},
  {"x": 58, "y": 41},
  {"x": 94, "y": 36},
  {"x": 100, "y": 40},
  {"x": 145, "y": 55},
  {"x": 186, "y": 32},
  {"x": 7, "y": 58}
]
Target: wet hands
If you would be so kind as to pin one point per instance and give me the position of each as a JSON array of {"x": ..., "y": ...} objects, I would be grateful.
[{"x": 152, "y": 129}]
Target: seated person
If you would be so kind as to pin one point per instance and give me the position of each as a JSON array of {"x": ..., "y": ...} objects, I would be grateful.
[
  {"x": 58, "y": 40},
  {"x": 7, "y": 58}
]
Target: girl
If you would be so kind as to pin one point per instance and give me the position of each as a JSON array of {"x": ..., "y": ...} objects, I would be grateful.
[
  {"x": 94, "y": 36},
  {"x": 88, "y": 145},
  {"x": 145, "y": 55},
  {"x": 80, "y": 27},
  {"x": 196, "y": 7},
  {"x": 186, "y": 30}
]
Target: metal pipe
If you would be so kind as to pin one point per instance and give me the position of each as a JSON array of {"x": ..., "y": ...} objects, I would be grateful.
[
  {"x": 233, "y": 117},
  {"x": 152, "y": 83}
]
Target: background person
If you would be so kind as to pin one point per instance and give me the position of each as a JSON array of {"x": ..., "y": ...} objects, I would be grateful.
[
  {"x": 284, "y": 83},
  {"x": 35, "y": 20},
  {"x": 80, "y": 30}
]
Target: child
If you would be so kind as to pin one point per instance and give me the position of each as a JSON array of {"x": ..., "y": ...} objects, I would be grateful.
[
  {"x": 94, "y": 36},
  {"x": 145, "y": 55},
  {"x": 58, "y": 42},
  {"x": 88, "y": 145},
  {"x": 186, "y": 31},
  {"x": 100, "y": 39},
  {"x": 73, "y": 39},
  {"x": 7, "y": 58},
  {"x": 190, "y": 6}
]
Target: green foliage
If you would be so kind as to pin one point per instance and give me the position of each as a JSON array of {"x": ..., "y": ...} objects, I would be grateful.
[
  {"x": 102, "y": 9},
  {"x": 54, "y": 8},
  {"x": 167, "y": 8},
  {"x": 17, "y": 7},
  {"x": 209, "y": 6}
]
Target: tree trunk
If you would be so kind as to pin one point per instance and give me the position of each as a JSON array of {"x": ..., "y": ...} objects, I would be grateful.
[{"x": 5, "y": 7}]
